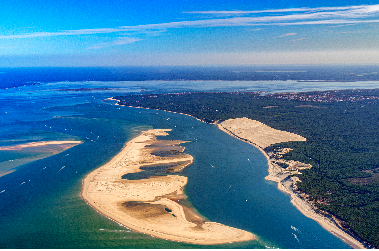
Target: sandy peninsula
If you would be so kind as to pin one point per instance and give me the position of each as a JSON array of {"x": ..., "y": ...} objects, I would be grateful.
[
  {"x": 156, "y": 204},
  {"x": 262, "y": 136}
]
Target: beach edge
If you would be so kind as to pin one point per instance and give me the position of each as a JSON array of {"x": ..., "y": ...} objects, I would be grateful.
[{"x": 302, "y": 205}]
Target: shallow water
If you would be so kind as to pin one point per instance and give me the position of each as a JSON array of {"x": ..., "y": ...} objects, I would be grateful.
[{"x": 40, "y": 203}]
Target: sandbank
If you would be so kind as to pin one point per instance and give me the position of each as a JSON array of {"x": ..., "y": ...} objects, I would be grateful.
[
  {"x": 34, "y": 151},
  {"x": 6, "y": 172},
  {"x": 69, "y": 144},
  {"x": 153, "y": 205},
  {"x": 262, "y": 136}
]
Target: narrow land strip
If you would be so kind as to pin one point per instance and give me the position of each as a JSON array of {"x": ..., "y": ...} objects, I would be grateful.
[
  {"x": 33, "y": 151},
  {"x": 63, "y": 144}
]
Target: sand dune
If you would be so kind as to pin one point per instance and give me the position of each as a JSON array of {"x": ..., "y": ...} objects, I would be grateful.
[
  {"x": 257, "y": 132},
  {"x": 262, "y": 136}
]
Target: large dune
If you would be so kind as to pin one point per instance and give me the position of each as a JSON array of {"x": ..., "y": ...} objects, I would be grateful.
[{"x": 257, "y": 132}]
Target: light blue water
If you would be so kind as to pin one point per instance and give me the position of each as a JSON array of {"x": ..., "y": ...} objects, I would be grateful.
[{"x": 40, "y": 206}]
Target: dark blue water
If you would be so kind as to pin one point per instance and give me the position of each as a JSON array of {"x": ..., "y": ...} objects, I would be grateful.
[{"x": 40, "y": 204}]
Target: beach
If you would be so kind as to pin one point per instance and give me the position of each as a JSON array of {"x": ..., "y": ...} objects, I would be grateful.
[
  {"x": 262, "y": 136},
  {"x": 154, "y": 205}
]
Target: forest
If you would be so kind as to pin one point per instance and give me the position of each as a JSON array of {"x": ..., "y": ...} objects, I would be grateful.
[{"x": 341, "y": 128}]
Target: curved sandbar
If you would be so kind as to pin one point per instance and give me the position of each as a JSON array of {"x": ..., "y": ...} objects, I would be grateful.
[
  {"x": 153, "y": 205},
  {"x": 262, "y": 136}
]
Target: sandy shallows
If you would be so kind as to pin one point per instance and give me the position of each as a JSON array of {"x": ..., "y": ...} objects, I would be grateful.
[
  {"x": 154, "y": 205},
  {"x": 32, "y": 151},
  {"x": 42, "y": 144},
  {"x": 257, "y": 132}
]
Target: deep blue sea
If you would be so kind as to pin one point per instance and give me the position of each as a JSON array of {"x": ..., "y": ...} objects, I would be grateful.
[{"x": 40, "y": 203}]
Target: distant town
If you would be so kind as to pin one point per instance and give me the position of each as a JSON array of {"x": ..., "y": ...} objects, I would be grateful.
[{"x": 369, "y": 96}]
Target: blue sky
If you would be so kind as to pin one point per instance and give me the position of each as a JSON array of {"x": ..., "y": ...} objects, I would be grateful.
[{"x": 183, "y": 32}]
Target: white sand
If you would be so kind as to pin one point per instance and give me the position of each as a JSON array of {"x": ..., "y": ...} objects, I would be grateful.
[
  {"x": 105, "y": 191},
  {"x": 39, "y": 144},
  {"x": 257, "y": 132}
]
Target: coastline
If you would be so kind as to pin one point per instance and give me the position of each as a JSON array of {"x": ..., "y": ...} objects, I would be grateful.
[
  {"x": 152, "y": 205},
  {"x": 140, "y": 107},
  {"x": 286, "y": 185}
]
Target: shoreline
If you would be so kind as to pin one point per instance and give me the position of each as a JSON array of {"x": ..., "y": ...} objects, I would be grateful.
[
  {"x": 302, "y": 205},
  {"x": 152, "y": 205},
  {"x": 286, "y": 185}
]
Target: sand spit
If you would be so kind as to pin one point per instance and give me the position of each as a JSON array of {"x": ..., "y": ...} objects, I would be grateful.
[
  {"x": 35, "y": 151},
  {"x": 262, "y": 136},
  {"x": 68, "y": 143},
  {"x": 153, "y": 205},
  {"x": 6, "y": 172}
]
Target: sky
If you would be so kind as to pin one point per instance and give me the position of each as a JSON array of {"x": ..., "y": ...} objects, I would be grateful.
[{"x": 184, "y": 32}]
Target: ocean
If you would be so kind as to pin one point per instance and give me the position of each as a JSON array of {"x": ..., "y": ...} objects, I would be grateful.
[{"x": 40, "y": 203}]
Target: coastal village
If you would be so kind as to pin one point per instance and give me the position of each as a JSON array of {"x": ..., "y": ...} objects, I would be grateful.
[{"x": 369, "y": 96}]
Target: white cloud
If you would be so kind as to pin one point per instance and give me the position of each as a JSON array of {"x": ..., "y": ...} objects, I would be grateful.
[
  {"x": 288, "y": 34},
  {"x": 341, "y": 25},
  {"x": 119, "y": 41},
  {"x": 336, "y": 21},
  {"x": 303, "y": 9},
  {"x": 298, "y": 39},
  {"x": 325, "y": 15},
  {"x": 63, "y": 33},
  {"x": 302, "y": 16},
  {"x": 356, "y": 10}
]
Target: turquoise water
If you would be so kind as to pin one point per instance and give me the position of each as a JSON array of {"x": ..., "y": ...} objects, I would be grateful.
[{"x": 40, "y": 203}]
